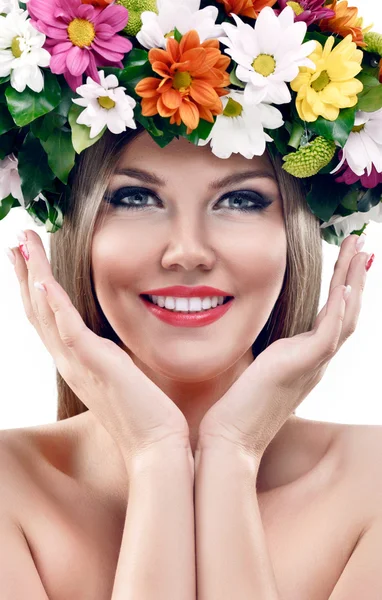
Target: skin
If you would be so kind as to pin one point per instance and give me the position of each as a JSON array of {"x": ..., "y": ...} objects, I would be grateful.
[{"x": 189, "y": 239}]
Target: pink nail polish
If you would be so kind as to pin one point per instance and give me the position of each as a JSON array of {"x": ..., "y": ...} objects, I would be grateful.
[
  {"x": 24, "y": 251},
  {"x": 370, "y": 262}
]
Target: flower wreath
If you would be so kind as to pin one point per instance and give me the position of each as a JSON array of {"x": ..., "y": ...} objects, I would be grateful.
[{"x": 301, "y": 78}]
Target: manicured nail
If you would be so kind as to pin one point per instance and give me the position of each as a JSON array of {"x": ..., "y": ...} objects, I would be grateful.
[
  {"x": 24, "y": 251},
  {"x": 360, "y": 242},
  {"x": 21, "y": 236},
  {"x": 369, "y": 262},
  {"x": 40, "y": 286},
  {"x": 10, "y": 255}
]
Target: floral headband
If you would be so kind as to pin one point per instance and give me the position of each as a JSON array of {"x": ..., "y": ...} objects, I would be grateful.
[{"x": 302, "y": 79}]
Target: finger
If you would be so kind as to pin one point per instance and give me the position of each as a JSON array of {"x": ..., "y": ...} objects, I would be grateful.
[
  {"x": 325, "y": 338},
  {"x": 65, "y": 332},
  {"x": 22, "y": 276},
  {"x": 41, "y": 315},
  {"x": 356, "y": 278},
  {"x": 347, "y": 251}
]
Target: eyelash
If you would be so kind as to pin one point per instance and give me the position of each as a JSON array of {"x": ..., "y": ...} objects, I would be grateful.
[{"x": 128, "y": 192}]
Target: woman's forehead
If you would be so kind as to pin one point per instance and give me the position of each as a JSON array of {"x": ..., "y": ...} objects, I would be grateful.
[{"x": 180, "y": 155}]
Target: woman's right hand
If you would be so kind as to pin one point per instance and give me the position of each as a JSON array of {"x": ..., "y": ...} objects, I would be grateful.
[{"x": 135, "y": 412}]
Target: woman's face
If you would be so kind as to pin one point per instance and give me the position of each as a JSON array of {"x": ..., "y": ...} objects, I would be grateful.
[{"x": 190, "y": 232}]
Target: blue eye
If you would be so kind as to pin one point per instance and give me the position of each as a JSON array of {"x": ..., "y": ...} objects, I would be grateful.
[{"x": 135, "y": 198}]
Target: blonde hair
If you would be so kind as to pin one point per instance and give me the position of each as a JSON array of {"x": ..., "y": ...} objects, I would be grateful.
[{"x": 295, "y": 309}]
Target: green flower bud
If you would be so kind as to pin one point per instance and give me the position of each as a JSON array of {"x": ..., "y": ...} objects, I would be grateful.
[
  {"x": 374, "y": 42},
  {"x": 310, "y": 159},
  {"x": 136, "y": 8}
]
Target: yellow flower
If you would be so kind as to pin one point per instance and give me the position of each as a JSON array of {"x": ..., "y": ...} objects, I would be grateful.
[{"x": 332, "y": 85}]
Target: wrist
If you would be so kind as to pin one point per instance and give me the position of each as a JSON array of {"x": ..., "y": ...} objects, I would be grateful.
[
  {"x": 224, "y": 455},
  {"x": 167, "y": 457}
]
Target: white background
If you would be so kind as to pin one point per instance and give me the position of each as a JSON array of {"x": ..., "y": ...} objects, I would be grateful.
[{"x": 350, "y": 391}]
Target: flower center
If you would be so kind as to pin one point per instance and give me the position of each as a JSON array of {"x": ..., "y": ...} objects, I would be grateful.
[
  {"x": 264, "y": 64},
  {"x": 321, "y": 82},
  {"x": 16, "y": 46},
  {"x": 296, "y": 7},
  {"x": 358, "y": 128},
  {"x": 81, "y": 32},
  {"x": 106, "y": 102},
  {"x": 182, "y": 80},
  {"x": 232, "y": 109},
  {"x": 170, "y": 34}
]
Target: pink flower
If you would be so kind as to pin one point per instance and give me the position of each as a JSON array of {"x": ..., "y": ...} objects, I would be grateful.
[
  {"x": 348, "y": 176},
  {"x": 80, "y": 37},
  {"x": 307, "y": 10}
]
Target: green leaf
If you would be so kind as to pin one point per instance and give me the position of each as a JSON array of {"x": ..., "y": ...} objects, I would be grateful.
[
  {"x": 338, "y": 130},
  {"x": 4, "y": 79},
  {"x": 44, "y": 126},
  {"x": 27, "y": 106},
  {"x": 67, "y": 94},
  {"x": 371, "y": 99},
  {"x": 81, "y": 133},
  {"x": 34, "y": 169},
  {"x": 325, "y": 196},
  {"x": 368, "y": 198},
  {"x": 61, "y": 154},
  {"x": 6, "y": 121},
  {"x": 6, "y": 204},
  {"x": 177, "y": 35},
  {"x": 44, "y": 213},
  {"x": 280, "y": 137},
  {"x": 234, "y": 80},
  {"x": 202, "y": 132},
  {"x": 7, "y": 142}
]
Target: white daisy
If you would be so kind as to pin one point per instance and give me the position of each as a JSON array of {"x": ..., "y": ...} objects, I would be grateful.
[
  {"x": 21, "y": 52},
  {"x": 182, "y": 14},
  {"x": 10, "y": 182},
  {"x": 7, "y": 6},
  {"x": 363, "y": 148},
  {"x": 268, "y": 54},
  {"x": 354, "y": 222},
  {"x": 240, "y": 129},
  {"x": 106, "y": 104}
]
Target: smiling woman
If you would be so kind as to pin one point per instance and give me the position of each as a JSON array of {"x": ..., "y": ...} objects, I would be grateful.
[
  {"x": 198, "y": 172},
  {"x": 107, "y": 201}
]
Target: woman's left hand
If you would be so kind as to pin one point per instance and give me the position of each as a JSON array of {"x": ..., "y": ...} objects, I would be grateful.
[{"x": 257, "y": 405}]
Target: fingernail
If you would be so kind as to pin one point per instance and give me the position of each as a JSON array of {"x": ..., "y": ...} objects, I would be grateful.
[
  {"x": 369, "y": 262},
  {"x": 360, "y": 242},
  {"x": 10, "y": 255},
  {"x": 21, "y": 236},
  {"x": 40, "y": 286},
  {"x": 24, "y": 251}
]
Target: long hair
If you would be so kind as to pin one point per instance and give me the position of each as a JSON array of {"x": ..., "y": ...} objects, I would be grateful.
[{"x": 70, "y": 247}]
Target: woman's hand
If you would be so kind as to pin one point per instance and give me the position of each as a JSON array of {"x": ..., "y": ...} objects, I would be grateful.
[
  {"x": 257, "y": 405},
  {"x": 136, "y": 413}
]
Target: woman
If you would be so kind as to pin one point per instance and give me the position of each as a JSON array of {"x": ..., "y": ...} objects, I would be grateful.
[
  {"x": 76, "y": 468},
  {"x": 154, "y": 406}
]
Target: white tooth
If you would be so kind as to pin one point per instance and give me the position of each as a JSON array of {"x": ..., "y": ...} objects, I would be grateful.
[
  {"x": 181, "y": 304},
  {"x": 220, "y": 299},
  {"x": 161, "y": 300},
  {"x": 169, "y": 303},
  {"x": 154, "y": 299},
  {"x": 206, "y": 303},
  {"x": 195, "y": 304},
  {"x": 214, "y": 301}
]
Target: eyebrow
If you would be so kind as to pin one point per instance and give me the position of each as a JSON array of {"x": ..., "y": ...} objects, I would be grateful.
[{"x": 214, "y": 185}]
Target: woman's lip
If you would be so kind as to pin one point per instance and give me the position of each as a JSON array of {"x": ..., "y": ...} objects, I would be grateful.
[{"x": 185, "y": 319}]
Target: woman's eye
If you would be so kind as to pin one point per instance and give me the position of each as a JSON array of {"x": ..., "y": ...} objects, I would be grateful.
[{"x": 138, "y": 199}]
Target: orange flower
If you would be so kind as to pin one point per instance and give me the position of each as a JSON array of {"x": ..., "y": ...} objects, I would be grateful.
[
  {"x": 247, "y": 8},
  {"x": 345, "y": 21},
  {"x": 193, "y": 79}
]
